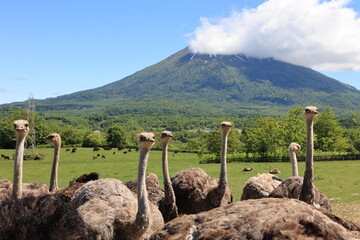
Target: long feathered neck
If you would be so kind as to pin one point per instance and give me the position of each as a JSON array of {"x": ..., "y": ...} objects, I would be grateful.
[
  {"x": 18, "y": 167},
  {"x": 307, "y": 191},
  {"x": 55, "y": 166},
  {"x": 294, "y": 163},
  {"x": 223, "y": 168},
  {"x": 142, "y": 220},
  {"x": 169, "y": 191}
]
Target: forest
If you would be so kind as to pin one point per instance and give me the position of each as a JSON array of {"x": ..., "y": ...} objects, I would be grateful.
[{"x": 255, "y": 136}]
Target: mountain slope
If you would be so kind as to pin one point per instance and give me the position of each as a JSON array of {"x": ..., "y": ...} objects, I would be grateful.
[{"x": 190, "y": 83}]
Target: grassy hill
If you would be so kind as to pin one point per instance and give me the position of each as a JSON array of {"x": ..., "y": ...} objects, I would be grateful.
[{"x": 189, "y": 84}]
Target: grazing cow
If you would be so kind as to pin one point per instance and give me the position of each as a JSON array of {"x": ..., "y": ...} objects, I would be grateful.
[
  {"x": 68, "y": 150},
  {"x": 125, "y": 152},
  {"x": 96, "y": 149},
  {"x": 103, "y": 156},
  {"x": 121, "y": 148},
  {"x": 107, "y": 148},
  {"x": 74, "y": 150},
  {"x": 94, "y": 157}
]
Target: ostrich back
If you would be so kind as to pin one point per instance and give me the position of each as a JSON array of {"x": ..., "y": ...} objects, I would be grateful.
[
  {"x": 194, "y": 191},
  {"x": 291, "y": 188},
  {"x": 258, "y": 219},
  {"x": 260, "y": 186},
  {"x": 155, "y": 193},
  {"x": 106, "y": 209}
]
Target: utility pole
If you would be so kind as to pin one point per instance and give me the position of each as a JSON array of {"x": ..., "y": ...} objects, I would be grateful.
[{"x": 31, "y": 120}]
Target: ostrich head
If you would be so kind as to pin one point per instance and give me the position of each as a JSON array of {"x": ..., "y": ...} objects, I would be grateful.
[
  {"x": 21, "y": 127},
  {"x": 146, "y": 140},
  {"x": 166, "y": 136},
  {"x": 311, "y": 112},
  {"x": 226, "y": 127},
  {"x": 295, "y": 147},
  {"x": 53, "y": 138}
]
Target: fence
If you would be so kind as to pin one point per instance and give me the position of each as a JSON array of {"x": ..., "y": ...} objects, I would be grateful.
[{"x": 343, "y": 157}]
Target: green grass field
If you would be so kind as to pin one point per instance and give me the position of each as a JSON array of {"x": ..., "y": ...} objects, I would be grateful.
[{"x": 339, "y": 180}]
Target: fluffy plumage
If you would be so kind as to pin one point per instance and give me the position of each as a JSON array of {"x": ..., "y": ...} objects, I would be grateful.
[
  {"x": 260, "y": 186},
  {"x": 260, "y": 219},
  {"x": 291, "y": 188},
  {"x": 192, "y": 187}
]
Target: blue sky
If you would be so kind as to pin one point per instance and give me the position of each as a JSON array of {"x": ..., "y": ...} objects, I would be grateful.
[{"x": 52, "y": 48}]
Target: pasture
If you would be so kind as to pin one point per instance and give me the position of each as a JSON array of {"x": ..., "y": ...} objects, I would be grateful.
[{"x": 339, "y": 180}]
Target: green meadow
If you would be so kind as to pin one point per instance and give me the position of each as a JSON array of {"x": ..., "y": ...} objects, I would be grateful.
[{"x": 339, "y": 180}]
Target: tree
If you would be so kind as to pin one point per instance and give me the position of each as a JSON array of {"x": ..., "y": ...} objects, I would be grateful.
[
  {"x": 116, "y": 137},
  {"x": 213, "y": 142},
  {"x": 72, "y": 136},
  {"x": 329, "y": 134},
  {"x": 294, "y": 127},
  {"x": 95, "y": 139},
  {"x": 265, "y": 136}
]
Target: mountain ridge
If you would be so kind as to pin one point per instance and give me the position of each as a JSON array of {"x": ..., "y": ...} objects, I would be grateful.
[{"x": 231, "y": 82}]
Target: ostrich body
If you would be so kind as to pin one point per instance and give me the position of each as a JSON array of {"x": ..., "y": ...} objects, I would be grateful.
[
  {"x": 55, "y": 139},
  {"x": 294, "y": 186},
  {"x": 18, "y": 189},
  {"x": 274, "y": 170},
  {"x": 195, "y": 191},
  {"x": 259, "y": 219},
  {"x": 167, "y": 205},
  {"x": 107, "y": 209},
  {"x": 260, "y": 186},
  {"x": 291, "y": 188},
  {"x": 155, "y": 193}
]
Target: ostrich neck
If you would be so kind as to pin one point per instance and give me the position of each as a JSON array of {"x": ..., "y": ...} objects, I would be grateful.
[
  {"x": 223, "y": 168},
  {"x": 294, "y": 163},
  {"x": 169, "y": 191},
  {"x": 18, "y": 167},
  {"x": 307, "y": 191},
  {"x": 54, "y": 169},
  {"x": 143, "y": 214}
]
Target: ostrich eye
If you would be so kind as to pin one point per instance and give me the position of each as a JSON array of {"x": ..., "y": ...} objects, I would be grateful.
[
  {"x": 26, "y": 125},
  {"x": 14, "y": 125}
]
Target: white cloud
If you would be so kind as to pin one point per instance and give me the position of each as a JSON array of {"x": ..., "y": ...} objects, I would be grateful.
[{"x": 321, "y": 34}]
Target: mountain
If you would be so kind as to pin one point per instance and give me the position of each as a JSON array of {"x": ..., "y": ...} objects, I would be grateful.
[{"x": 198, "y": 84}]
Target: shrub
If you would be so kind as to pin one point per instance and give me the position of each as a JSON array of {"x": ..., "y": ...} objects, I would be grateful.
[{"x": 33, "y": 155}]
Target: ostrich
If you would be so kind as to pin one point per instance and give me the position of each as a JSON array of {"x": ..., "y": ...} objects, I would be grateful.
[
  {"x": 55, "y": 139},
  {"x": 260, "y": 186},
  {"x": 274, "y": 170},
  {"x": 195, "y": 191},
  {"x": 257, "y": 219},
  {"x": 19, "y": 189},
  {"x": 303, "y": 188},
  {"x": 107, "y": 209},
  {"x": 248, "y": 169},
  {"x": 21, "y": 130},
  {"x": 167, "y": 205},
  {"x": 294, "y": 149},
  {"x": 264, "y": 184}
]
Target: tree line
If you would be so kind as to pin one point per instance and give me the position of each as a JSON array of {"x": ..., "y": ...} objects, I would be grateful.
[{"x": 258, "y": 136}]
